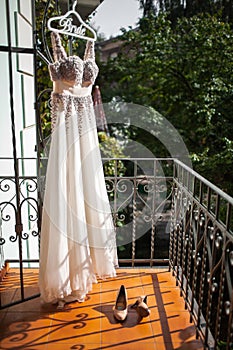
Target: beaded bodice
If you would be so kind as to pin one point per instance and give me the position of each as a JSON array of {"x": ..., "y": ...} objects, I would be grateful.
[{"x": 72, "y": 69}]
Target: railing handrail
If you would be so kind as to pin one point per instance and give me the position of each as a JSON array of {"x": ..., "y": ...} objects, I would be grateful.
[
  {"x": 205, "y": 181},
  {"x": 135, "y": 158},
  {"x": 175, "y": 160},
  {"x": 7, "y": 158}
]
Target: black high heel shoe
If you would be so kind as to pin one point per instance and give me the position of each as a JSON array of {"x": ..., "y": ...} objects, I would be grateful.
[{"x": 120, "y": 309}]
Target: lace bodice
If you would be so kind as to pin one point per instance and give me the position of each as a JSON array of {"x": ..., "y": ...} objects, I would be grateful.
[{"x": 72, "y": 69}]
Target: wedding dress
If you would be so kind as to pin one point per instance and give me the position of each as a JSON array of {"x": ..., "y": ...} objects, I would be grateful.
[{"x": 77, "y": 237}]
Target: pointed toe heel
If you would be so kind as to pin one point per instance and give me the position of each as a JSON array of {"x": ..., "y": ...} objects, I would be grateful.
[
  {"x": 141, "y": 307},
  {"x": 120, "y": 308}
]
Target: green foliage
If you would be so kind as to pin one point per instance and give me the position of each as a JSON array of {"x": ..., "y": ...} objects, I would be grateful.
[
  {"x": 185, "y": 73},
  {"x": 180, "y": 8},
  {"x": 148, "y": 7},
  {"x": 110, "y": 148},
  {"x": 223, "y": 345}
]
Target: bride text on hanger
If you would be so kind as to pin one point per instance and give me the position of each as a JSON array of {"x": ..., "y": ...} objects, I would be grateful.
[
  {"x": 67, "y": 27},
  {"x": 66, "y": 24}
]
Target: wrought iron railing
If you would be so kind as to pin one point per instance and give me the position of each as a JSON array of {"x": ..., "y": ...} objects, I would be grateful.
[
  {"x": 201, "y": 254},
  {"x": 164, "y": 212},
  {"x": 19, "y": 219},
  {"x": 140, "y": 192}
]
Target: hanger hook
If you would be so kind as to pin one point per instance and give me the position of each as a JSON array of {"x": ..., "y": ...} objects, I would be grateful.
[{"x": 74, "y": 4}]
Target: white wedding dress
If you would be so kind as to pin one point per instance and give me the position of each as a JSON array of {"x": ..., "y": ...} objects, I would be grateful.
[{"x": 77, "y": 237}]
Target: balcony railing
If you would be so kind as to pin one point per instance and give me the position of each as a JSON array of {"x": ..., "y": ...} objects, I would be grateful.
[
  {"x": 164, "y": 213},
  {"x": 140, "y": 192},
  {"x": 201, "y": 253}
]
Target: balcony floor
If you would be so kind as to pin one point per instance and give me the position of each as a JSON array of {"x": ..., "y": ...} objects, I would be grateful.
[{"x": 91, "y": 325}]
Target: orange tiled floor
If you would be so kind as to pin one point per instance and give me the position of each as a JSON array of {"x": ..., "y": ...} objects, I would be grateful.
[{"x": 91, "y": 325}]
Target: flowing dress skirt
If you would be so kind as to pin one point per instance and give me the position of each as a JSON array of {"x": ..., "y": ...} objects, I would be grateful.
[{"x": 77, "y": 236}]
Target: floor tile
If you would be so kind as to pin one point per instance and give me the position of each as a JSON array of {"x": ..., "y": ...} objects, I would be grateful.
[
  {"x": 127, "y": 278},
  {"x": 173, "y": 328},
  {"x": 3, "y": 315},
  {"x": 24, "y": 329},
  {"x": 163, "y": 279},
  {"x": 70, "y": 346},
  {"x": 189, "y": 345},
  {"x": 29, "y": 346},
  {"x": 127, "y": 333},
  {"x": 80, "y": 328},
  {"x": 146, "y": 344},
  {"x": 91, "y": 324},
  {"x": 34, "y": 304},
  {"x": 109, "y": 296},
  {"x": 7, "y": 295}
]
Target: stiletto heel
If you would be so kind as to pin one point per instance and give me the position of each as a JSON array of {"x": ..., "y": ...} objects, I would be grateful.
[
  {"x": 120, "y": 308},
  {"x": 141, "y": 307}
]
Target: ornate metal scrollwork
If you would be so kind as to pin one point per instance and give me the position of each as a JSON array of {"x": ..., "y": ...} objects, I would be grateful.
[
  {"x": 24, "y": 235},
  {"x": 2, "y": 241},
  {"x": 35, "y": 233},
  {"x": 227, "y": 306},
  {"x": 8, "y": 217},
  {"x": 32, "y": 204},
  {"x": 124, "y": 191},
  {"x": 30, "y": 185},
  {"x": 5, "y": 187}
]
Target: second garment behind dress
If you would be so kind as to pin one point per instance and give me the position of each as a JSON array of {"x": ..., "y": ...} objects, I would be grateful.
[{"x": 77, "y": 237}]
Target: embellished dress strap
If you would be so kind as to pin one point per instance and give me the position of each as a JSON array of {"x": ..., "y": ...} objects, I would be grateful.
[
  {"x": 89, "y": 51},
  {"x": 58, "y": 50}
]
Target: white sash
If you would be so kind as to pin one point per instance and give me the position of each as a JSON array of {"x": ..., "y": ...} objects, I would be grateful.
[{"x": 61, "y": 87}]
